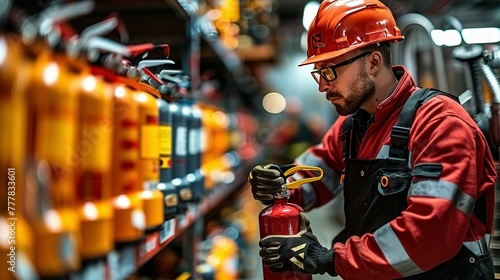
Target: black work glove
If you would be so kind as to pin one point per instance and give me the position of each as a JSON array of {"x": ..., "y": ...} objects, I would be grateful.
[
  {"x": 300, "y": 252},
  {"x": 265, "y": 182}
]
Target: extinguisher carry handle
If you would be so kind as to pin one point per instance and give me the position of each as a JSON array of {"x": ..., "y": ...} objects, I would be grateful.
[
  {"x": 296, "y": 184},
  {"x": 290, "y": 169}
]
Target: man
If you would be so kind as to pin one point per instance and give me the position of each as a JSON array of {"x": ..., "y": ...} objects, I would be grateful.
[{"x": 419, "y": 202}]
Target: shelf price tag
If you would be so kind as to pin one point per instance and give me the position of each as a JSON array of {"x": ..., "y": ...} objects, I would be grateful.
[
  {"x": 167, "y": 230},
  {"x": 148, "y": 247}
]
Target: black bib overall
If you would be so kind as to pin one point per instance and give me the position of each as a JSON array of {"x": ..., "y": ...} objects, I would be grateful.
[{"x": 375, "y": 192}]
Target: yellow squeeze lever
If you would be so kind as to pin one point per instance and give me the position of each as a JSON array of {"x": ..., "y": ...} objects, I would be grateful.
[{"x": 299, "y": 182}]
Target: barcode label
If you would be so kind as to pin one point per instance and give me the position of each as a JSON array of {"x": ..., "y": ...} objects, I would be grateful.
[{"x": 167, "y": 230}]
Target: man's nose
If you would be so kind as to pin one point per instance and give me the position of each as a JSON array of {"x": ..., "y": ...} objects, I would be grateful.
[{"x": 323, "y": 85}]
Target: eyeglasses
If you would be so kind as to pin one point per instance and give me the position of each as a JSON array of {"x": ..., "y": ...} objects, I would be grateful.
[{"x": 329, "y": 73}]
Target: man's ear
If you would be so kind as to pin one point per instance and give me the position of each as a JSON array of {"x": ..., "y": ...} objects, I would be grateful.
[{"x": 375, "y": 61}]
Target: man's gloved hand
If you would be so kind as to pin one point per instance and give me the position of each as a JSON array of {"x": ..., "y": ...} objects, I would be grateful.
[
  {"x": 300, "y": 252},
  {"x": 265, "y": 183}
]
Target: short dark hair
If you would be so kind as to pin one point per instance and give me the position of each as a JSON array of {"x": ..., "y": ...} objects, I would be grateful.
[{"x": 385, "y": 49}]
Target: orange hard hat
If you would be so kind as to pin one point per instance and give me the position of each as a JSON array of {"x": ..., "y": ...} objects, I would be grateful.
[{"x": 342, "y": 26}]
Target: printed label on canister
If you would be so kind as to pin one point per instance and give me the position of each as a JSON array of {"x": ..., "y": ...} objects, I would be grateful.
[
  {"x": 149, "y": 141},
  {"x": 165, "y": 140},
  {"x": 181, "y": 141}
]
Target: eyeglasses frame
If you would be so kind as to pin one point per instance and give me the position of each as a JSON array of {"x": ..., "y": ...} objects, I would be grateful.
[{"x": 335, "y": 66}]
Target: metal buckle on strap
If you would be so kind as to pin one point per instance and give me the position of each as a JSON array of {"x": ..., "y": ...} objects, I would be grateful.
[
  {"x": 399, "y": 136},
  {"x": 478, "y": 247}
]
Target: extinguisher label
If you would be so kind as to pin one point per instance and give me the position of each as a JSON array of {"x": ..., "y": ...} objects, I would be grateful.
[
  {"x": 181, "y": 141},
  {"x": 165, "y": 162},
  {"x": 94, "y": 147},
  {"x": 61, "y": 132},
  {"x": 150, "y": 141},
  {"x": 203, "y": 140},
  {"x": 165, "y": 140},
  {"x": 194, "y": 141}
]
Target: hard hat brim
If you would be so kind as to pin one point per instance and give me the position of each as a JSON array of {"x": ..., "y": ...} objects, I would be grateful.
[
  {"x": 334, "y": 54},
  {"x": 325, "y": 56}
]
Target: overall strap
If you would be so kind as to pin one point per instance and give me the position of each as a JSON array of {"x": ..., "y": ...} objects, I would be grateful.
[
  {"x": 400, "y": 132},
  {"x": 345, "y": 137}
]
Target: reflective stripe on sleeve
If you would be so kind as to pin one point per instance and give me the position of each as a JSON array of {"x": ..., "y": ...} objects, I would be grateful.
[
  {"x": 446, "y": 190},
  {"x": 479, "y": 247},
  {"x": 309, "y": 196},
  {"x": 330, "y": 178},
  {"x": 394, "y": 251}
]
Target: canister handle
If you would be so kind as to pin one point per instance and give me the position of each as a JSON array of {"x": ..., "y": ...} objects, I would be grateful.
[{"x": 296, "y": 184}]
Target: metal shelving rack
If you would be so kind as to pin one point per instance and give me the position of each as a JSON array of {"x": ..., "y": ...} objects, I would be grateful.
[
  {"x": 127, "y": 259},
  {"x": 174, "y": 22}
]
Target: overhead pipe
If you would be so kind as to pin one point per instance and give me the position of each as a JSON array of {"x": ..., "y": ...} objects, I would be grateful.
[
  {"x": 404, "y": 51},
  {"x": 473, "y": 56},
  {"x": 491, "y": 62}
]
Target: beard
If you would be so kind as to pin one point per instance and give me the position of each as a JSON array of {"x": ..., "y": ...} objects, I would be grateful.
[{"x": 362, "y": 90}]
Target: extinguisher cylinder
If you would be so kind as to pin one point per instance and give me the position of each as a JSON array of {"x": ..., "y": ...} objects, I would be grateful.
[{"x": 281, "y": 218}]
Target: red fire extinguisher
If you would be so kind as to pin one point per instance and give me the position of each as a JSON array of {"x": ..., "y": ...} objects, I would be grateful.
[{"x": 282, "y": 217}]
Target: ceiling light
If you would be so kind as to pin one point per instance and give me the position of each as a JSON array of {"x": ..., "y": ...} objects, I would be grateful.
[
  {"x": 452, "y": 37},
  {"x": 481, "y": 35},
  {"x": 446, "y": 37},
  {"x": 310, "y": 10}
]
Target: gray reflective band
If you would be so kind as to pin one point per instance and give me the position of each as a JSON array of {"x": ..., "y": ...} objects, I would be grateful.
[
  {"x": 445, "y": 190},
  {"x": 330, "y": 178},
  {"x": 479, "y": 247},
  {"x": 309, "y": 196},
  {"x": 396, "y": 255},
  {"x": 394, "y": 251}
]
